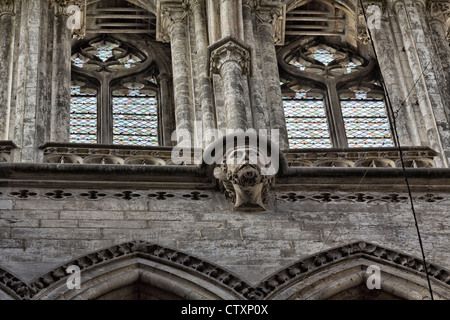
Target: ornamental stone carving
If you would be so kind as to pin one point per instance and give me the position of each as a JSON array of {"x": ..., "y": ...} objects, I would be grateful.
[
  {"x": 6, "y": 7},
  {"x": 440, "y": 10},
  {"x": 229, "y": 49},
  {"x": 273, "y": 15},
  {"x": 169, "y": 13},
  {"x": 246, "y": 171}
]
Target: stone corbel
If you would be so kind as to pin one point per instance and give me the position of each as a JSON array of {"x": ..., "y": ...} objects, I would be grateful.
[
  {"x": 273, "y": 15},
  {"x": 7, "y": 7},
  {"x": 243, "y": 171},
  {"x": 440, "y": 10},
  {"x": 229, "y": 49},
  {"x": 168, "y": 13}
]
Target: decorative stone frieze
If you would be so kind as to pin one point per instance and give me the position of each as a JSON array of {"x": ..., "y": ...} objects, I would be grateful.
[
  {"x": 414, "y": 157},
  {"x": 267, "y": 289}
]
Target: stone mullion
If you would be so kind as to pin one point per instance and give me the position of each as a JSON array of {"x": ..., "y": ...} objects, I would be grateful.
[
  {"x": 7, "y": 18},
  {"x": 206, "y": 96},
  {"x": 165, "y": 105},
  {"x": 61, "y": 77},
  {"x": 338, "y": 135},
  {"x": 272, "y": 81},
  {"x": 105, "y": 113},
  {"x": 256, "y": 82},
  {"x": 416, "y": 58}
]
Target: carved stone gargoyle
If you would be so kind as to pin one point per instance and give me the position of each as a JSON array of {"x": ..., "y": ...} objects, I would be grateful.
[{"x": 245, "y": 175}]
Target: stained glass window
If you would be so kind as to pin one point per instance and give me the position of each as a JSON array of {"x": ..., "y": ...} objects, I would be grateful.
[
  {"x": 135, "y": 119},
  {"x": 323, "y": 55},
  {"x": 83, "y": 115},
  {"x": 306, "y": 122},
  {"x": 105, "y": 50},
  {"x": 366, "y": 122}
]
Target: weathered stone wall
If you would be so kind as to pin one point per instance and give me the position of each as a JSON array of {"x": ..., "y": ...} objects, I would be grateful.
[{"x": 43, "y": 228}]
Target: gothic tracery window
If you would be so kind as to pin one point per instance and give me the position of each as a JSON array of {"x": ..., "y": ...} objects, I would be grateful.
[
  {"x": 123, "y": 108},
  {"x": 332, "y": 98}
]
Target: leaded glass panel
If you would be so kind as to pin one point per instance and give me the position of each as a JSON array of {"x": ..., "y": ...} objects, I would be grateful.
[
  {"x": 366, "y": 122},
  {"x": 83, "y": 116},
  {"x": 135, "y": 119},
  {"x": 306, "y": 122}
]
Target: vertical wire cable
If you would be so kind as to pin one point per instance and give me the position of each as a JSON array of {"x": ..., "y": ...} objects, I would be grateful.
[{"x": 394, "y": 125}]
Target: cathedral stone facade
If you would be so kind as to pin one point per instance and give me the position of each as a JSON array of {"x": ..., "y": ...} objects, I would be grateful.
[{"x": 233, "y": 149}]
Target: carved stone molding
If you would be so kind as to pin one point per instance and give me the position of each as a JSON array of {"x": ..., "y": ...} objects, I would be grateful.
[
  {"x": 168, "y": 14},
  {"x": 274, "y": 16},
  {"x": 6, "y": 7},
  {"x": 278, "y": 281},
  {"x": 229, "y": 49},
  {"x": 414, "y": 157}
]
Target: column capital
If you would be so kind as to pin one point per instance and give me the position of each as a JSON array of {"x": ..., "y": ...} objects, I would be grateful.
[
  {"x": 195, "y": 3},
  {"x": 382, "y": 4},
  {"x": 440, "y": 11},
  {"x": 229, "y": 49},
  {"x": 373, "y": 10},
  {"x": 6, "y": 7},
  {"x": 170, "y": 12},
  {"x": 273, "y": 15},
  {"x": 62, "y": 5}
]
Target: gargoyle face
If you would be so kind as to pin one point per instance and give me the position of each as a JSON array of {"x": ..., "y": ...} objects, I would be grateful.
[{"x": 245, "y": 175}]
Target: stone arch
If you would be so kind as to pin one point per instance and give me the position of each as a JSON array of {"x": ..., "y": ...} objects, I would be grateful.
[
  {"x": 341, "y": 273},
  {"x": 144, "y": 269}
]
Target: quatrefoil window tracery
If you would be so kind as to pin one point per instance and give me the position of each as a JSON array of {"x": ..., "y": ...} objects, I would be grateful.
[
  {"x": 324, "y": 60},
  {"x": 107, "y": 55}
]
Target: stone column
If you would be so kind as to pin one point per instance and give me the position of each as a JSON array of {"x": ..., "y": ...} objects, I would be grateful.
[
  {"x": 256, "y": 82},
  {"x": 269, "y": 19},
  {"x": 206, "y": 98},
  {"x": 173, "y": 29},
  {"x": 231, "y": 59},
  {"x": 6, "y": 57},
  {"x": 439, "y": 22},
  {"x": 61, "y": 74},
  {"x": 231, "y": 18},
  {"x": 416, "y": 46},
  {"x": 396, "y": 78}
]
